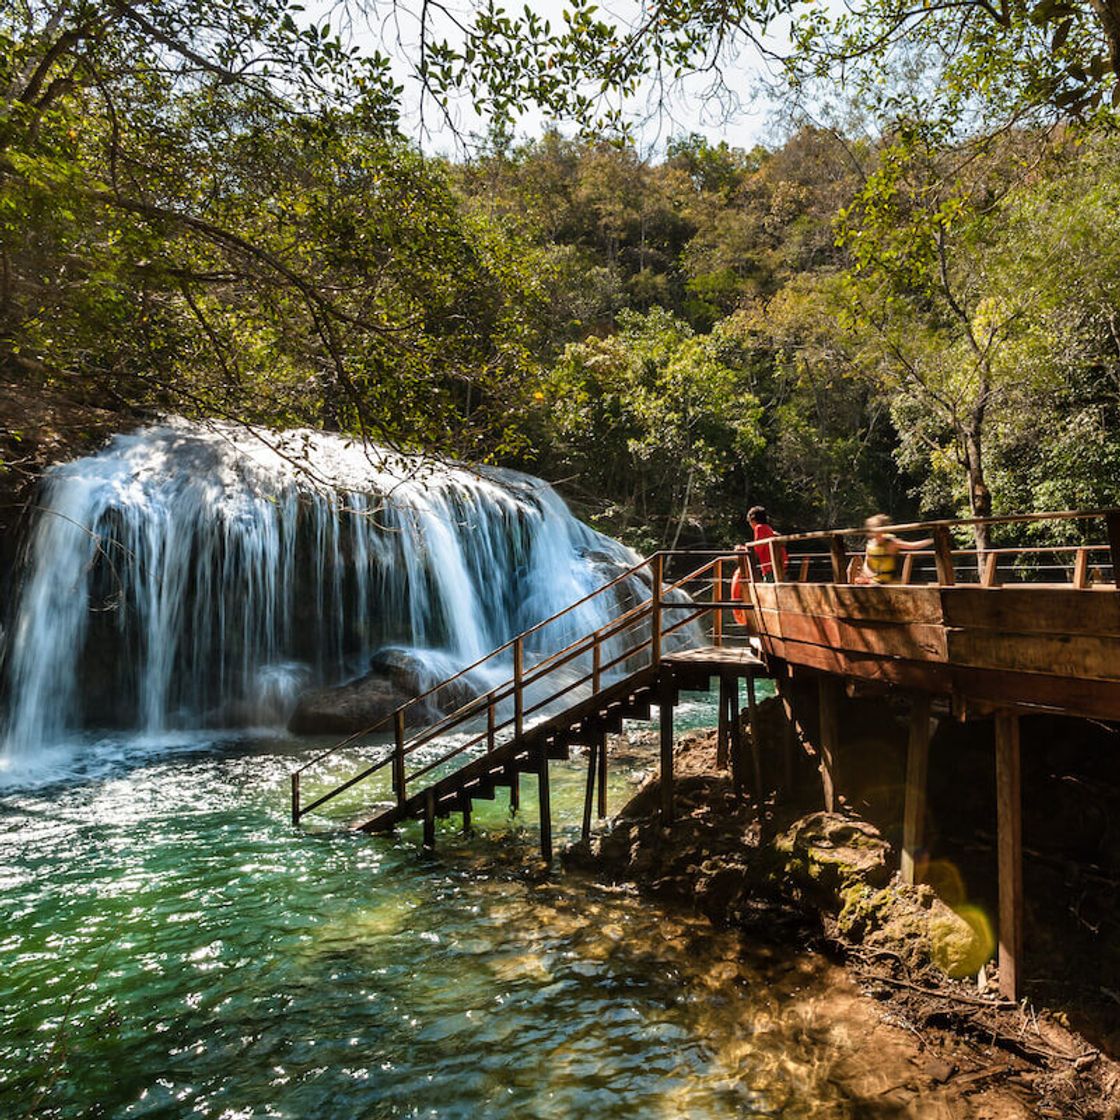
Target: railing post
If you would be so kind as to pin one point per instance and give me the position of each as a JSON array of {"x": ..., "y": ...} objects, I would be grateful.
[
  {"x": 398, "y": 756},
  {"x": 1112, "y": 520},
  {"x": 943, "y": 555},
  {"x": 839, "y": 558},
  {"x": 596, "y": 663},
  {"x": 717, "y": 612},
  {"x": 989, "y": 576},
  {"x": 490, "y": 724},
  {"x": 518, "y": 696},
  {"x": 295, "y": 799},
  {"x": 655, "y": 621},
  {"x": 1081, "y": 569}
]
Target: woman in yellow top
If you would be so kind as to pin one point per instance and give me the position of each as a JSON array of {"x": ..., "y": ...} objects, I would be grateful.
[{"x": 880, "y": 561}]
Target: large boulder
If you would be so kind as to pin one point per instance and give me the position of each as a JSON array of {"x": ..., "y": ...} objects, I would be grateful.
[{"x": 396, "y": 676}]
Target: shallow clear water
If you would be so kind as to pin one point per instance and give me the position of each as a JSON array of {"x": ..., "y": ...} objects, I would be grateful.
[{"x": 172, "y": 947}]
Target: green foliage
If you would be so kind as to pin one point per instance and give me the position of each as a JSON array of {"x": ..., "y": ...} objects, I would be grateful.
[{"x": 651, "y": 414}]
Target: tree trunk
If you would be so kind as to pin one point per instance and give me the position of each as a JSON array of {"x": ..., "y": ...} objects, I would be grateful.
[
  {"x": 1108, "y": 12},
  {"x": 979, "y": 496},
  {"x": 684, "y": 512}
]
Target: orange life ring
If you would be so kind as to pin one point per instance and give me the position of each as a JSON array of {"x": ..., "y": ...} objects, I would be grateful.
[{"x": 738, "y": 586}]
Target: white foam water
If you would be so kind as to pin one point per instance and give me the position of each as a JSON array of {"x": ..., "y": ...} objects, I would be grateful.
[{"x": 190, "y": 577}]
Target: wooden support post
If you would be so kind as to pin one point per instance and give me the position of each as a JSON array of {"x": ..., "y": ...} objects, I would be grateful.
[
  {"x": 602, "y": 774},
  {"x": 723, "y": 733},
  {"x": 666, "y": 697},
  {"x": 839, "y": 558},
  {"x": 465, "y": 806},
  {"x": 295, "y": 799},
  {"x": 756, "y": 747},
  {"x": 736, "y": 736},
  {"x": 717, "y": 612},
  {"x": 1081, "y": 569},
  {"x": 655, "y": 619},
  {"x": 914, "y": 804},
  {"x": 787, "y": 755},
  {"x": 430, "y": 821},
  {"x": 514, "y": 788},
  {"x": 398, "y": 757},
  {"x": 803, "y": 575},
  {"x": 518, "y": 694},
  {"x": 797, "y": 734},
  {"x": 596, "y": 663},
  {"x": 545, "y": 795},
  {"x": 589, "y": 793},
  {"x": 491, "y": 725},
  {"x": 830, "y": 733},
  {"x": 1010, "y": 848},
  {"x": 1112, "y": 521},
  {"x": 943, "y": 555}
]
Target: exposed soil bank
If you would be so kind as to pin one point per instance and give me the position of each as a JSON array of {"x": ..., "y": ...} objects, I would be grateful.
[{"x": 939, "y": 1045}]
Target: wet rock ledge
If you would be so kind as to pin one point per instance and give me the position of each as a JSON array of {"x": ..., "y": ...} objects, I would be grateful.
[{"x": 809, "y": 879}]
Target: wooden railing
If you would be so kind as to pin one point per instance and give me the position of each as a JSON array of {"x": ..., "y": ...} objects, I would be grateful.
[
  {"x": 948, "y": 563},
  {"x": 631, "y": 641},
  {"x": 635, "y": 639}
]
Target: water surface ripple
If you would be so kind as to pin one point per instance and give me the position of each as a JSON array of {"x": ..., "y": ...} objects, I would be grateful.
[{"x": 172, "y": 947}]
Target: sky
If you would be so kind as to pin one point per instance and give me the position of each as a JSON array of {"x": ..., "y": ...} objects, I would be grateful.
[{"x": 691, "y": 109}]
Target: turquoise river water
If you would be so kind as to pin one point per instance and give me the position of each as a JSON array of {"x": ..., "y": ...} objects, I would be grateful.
[{"x": 172, "y": 947}]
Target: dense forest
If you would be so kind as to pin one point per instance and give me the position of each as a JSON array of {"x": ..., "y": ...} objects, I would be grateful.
[{"x": 912, "y": 302}]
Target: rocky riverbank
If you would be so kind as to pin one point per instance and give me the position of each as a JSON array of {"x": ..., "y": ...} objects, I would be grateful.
[{"x": 826, "y": 881}]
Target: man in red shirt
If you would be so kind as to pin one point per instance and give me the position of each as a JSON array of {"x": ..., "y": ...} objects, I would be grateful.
[{"x": 760, "y": 523}]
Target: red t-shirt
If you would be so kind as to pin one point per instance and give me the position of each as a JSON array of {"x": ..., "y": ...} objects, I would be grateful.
[{"x": 765, "y": 560}]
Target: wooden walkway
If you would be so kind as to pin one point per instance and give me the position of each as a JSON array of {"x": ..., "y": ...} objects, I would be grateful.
[{"x": 984, "y": 635}]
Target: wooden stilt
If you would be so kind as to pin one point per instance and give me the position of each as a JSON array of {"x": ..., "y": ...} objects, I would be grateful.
[
  {"x": 829, "y": 736},
  {"x": 514, "y": 789},
  {"x": 429, "y": 842},
  {"x": 1010, "y": 848},
  {"x": 756, "y": 747},
  {"x": 602, "y": 774},
  {"x": 914, "y": 806},
  {"x": 545, "y": 796},
  {"x": 666, "y": 700},
  {"x": 465, "y": 806},
  {"x": 787, "y": 755},
  {"x": 589, "y": 794},
  {"x": 723, "y": 733},
  {"x": 736, "y": 736}
]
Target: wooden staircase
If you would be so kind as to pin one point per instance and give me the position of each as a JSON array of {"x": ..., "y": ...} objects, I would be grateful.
[{"x": 616, "y": 673}]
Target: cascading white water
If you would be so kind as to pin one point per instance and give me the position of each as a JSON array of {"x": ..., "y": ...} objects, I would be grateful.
[{"x": 185, "y": 573}]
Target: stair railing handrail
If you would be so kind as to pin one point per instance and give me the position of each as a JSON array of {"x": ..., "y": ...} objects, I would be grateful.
[
  {"x": 580, "y": 646},
  {"x": 385, "y": 720},
  {"x": 476, "y": 705}
]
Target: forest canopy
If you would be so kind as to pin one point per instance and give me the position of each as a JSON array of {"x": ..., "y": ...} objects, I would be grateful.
[{"x": 217, "y": 209}]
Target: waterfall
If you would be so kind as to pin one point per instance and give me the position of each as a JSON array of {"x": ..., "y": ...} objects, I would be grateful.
[{"x": 192, "y": 576}]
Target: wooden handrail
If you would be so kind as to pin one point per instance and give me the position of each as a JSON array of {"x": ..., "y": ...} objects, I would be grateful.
[
  {"x": 384, "y": 721},
  {"x": 651, "y": 610}
]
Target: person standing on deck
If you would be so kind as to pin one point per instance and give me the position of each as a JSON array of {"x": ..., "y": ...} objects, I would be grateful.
[
  {"x": 772, "y": 568},
  {"x": 880, "y": 561}
]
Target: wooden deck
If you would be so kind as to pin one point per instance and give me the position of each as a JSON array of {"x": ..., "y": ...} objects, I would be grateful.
[{"x": 984, "y": 649}]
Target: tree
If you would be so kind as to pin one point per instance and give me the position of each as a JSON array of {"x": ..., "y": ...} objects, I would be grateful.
[
  {"x": 208, "y": 208},
  {"x": 651, "y": 418}
]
